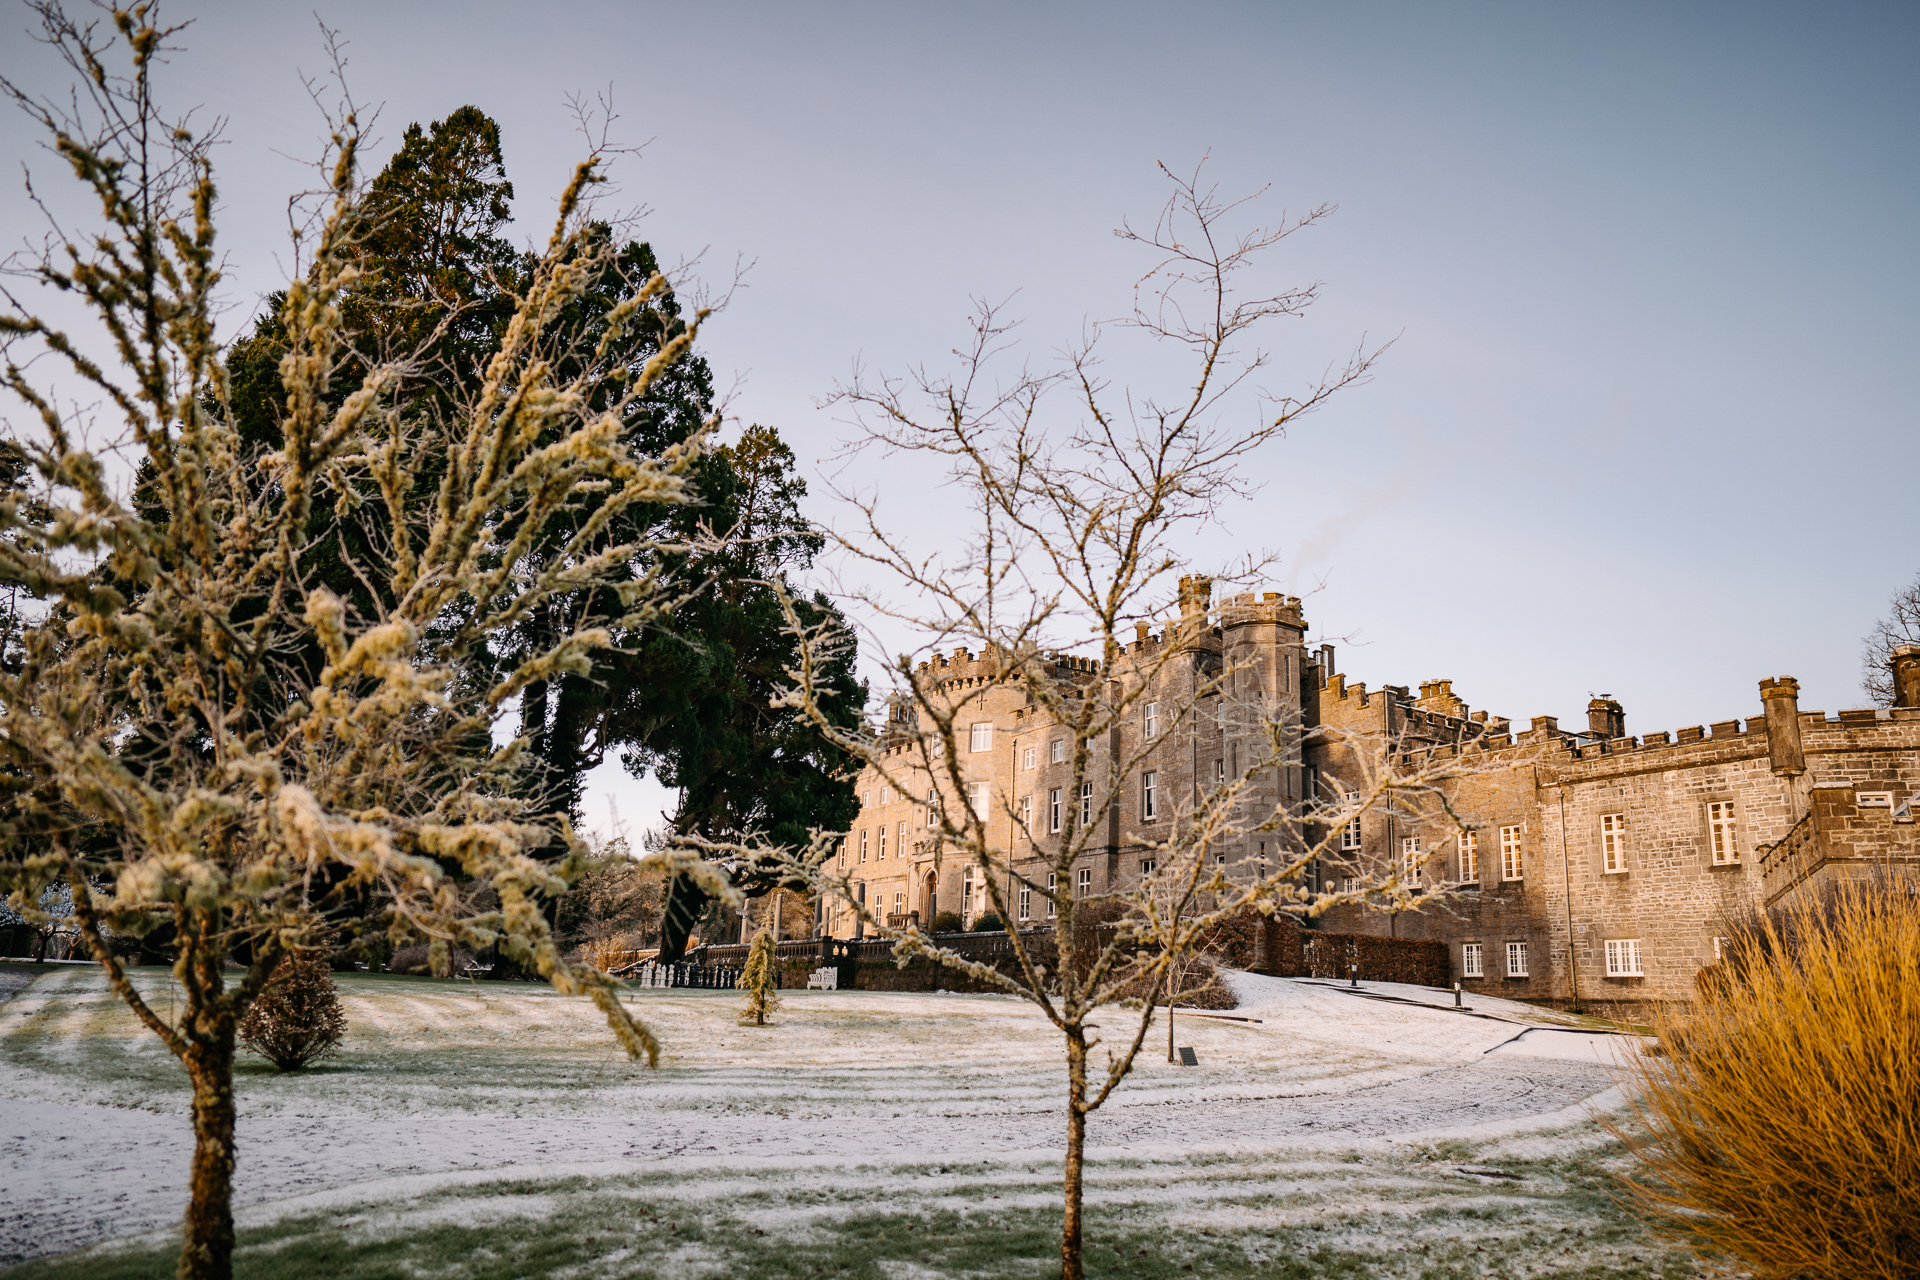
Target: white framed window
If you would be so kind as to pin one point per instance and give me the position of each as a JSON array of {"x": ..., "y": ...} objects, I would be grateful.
[
  {"x": 1027, "y": 757},
  {"x": 1026, "y": 903},
  {"x": 1623, "y": 958},
  {"x": 1410, "y": 860},
  {"x": 1150, "y": 720},
  {"x": 1720, "y": 946},
  {"x": 1512, "y": 865},
  {"x": 1721, "y": 833},
  {"x": 1262, "y": 864},
  {"x": 1083, "y": 882},
  {"x": 1053, "y": 809},
  {"x": 899, "y": 903},
  {"x": 1472, "y": 960},
  {"x": 1350, "y": 835},
  {"x": 1613, "y": 842},
  {"x": 1057, "y": 752},
  {"x": 1219, "y": 770},
  {"x": 1026, "y": 814},
  {"x": 980, "y": 736},
  {"x": 1086, "y": 804},
  {"x": 900, "y": 849},
  {"x": 977, "y": 798},
  {"x": 933, "y": 808},
  {"x": 1053, "y": 887},
  {"x": 1469, "y": 842},
  {"x": 1516, "y": 959},
  {"x": 1146, "y": 868},
  {"x": 1150, "y": 794},
  {"x": 1350, "y": 884},
  {"x": 843, "y": 855},
  {"x": 880, "y": 845},
  {"x": 886, "y": 795},
  {"x": 863, "y": 846}
]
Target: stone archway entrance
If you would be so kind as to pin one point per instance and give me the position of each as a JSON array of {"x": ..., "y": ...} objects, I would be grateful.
[{"x": 929, "y": 897}]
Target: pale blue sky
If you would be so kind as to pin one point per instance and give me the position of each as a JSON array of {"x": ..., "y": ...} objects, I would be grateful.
[{"x": 1649, "y": 425}]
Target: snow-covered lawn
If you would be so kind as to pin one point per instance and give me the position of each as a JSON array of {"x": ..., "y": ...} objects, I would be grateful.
[{"x": 860, "y": 1133}]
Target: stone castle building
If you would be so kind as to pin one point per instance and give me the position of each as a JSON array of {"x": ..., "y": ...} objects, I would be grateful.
[{"x": 1599, "y": 867}]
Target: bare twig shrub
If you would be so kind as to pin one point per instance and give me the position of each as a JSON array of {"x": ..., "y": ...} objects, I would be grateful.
[
  {"x": 1782, "y": 1125},
  {"x": 297, "y": 1018}
]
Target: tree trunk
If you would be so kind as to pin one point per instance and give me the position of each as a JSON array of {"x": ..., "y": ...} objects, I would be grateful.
[
  {"x": 1070, "y": 1264},
  {"x": 206, "y": 1251}
]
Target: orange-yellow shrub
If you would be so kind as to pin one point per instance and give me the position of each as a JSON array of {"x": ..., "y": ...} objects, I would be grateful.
[{"x": 1782, "y": 1122}]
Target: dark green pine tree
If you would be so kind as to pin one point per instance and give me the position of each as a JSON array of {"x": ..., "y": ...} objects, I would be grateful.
[{"x": 689, "y": 702}]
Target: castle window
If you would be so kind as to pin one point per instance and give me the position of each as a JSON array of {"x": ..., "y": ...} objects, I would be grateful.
[
  {"x": 1350, "y": 834},
  {"x": 1026, "y": 814},
  {"x": 1026, "y": 758},
  {"x": 1219, "y": 770},
  {"x": 1146, "y": 868},
  {"x": 933, "y": 808},
  {"x": 1410, "y": 860},
  {"x": 980, "y": 736},
  {"x": 1720, "y": 946},
  {"x": 1053, "y": 809},
  {"x": 1083, "y": 886},
  {"x": 1721, "y": 833},
  {"x": 1149, "y": 794},
  {"x": 863, "y": 846},
  {"x": 1350, "y": 884},
  {"x": 1472, "y": 960},
  {"x": 1613, "y": 842},
  {"x": 1058, "y": 751},
  {"x": 1086, "y": 804},
  {"x": 1512, "y": 865},
  {"x": 977, "y": 799},
  {"x": 1151, "y": 720},
  {"x": 1026, "y": 903},
  {"x": 1623, "y": 958},
  {"x": 880, "y": 846},
  {"x": 1053, "y": 887},
  {"x": 1516, "y": 959},
  {"x": 1469, "y": 857},
  {"x": 843, "y": 855},
  {"x": 899, "y": 903}
]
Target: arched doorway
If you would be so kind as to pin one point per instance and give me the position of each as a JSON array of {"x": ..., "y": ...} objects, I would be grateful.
[{"x": 929, "y": 897}]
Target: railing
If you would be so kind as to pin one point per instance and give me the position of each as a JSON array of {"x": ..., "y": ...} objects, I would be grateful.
[
  {"x": 1788, "y": 861},
  {"x": 711, "y": 977}
]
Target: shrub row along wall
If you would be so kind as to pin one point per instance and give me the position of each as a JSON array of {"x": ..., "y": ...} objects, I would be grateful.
[
  {"x": 1293, "y": 952},
  {"x": 1278, "y": 947}
]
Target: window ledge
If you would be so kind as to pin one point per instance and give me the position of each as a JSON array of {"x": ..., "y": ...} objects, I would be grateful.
[
  {"x": 1735, "y": 865},
  {"x": 1621, "y": 871}
]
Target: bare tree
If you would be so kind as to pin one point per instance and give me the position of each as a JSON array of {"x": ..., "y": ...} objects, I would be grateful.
[
  {"x": 247, "y": 758},
  {"x": 1900, "y": 626},
  {"x": 1075, "y": 532}
]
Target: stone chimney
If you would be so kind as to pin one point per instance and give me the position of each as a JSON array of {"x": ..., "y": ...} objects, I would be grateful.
[
  {"x": 1906, "y": 675},
  {"x": 1606, "y": 719},
  {"x": 1781, "y": 697},
  {"x": 1196, "y": 595}
]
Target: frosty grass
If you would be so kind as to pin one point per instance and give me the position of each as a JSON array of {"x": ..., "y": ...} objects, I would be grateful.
[{"x": 482, "y": 1131}]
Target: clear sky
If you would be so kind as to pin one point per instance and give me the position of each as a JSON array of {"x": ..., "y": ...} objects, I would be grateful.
[{"x": 1648, "y": 427}]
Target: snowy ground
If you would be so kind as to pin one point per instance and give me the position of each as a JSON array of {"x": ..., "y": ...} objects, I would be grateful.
[{"x": 449, "y": 1091}]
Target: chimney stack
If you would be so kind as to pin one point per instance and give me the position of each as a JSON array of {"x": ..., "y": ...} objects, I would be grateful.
[
  {"x": 1196, "y": 595},
  {"x": 1606, "y": 719},
  {"x": 1781, "y": 697},
  {"x": 1906, "y": 675}
]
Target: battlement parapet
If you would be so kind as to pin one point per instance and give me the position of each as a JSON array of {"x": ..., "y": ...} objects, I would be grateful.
[{"x": 1270, "y": 607}]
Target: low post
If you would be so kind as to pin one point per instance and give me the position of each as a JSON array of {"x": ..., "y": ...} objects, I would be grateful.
[
  {"x": 1353, "y": 973},
  {"x": 1456, "y": 995}
]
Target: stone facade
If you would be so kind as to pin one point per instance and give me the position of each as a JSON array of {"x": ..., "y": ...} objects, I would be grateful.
[{"x": 1608, "y": 865}]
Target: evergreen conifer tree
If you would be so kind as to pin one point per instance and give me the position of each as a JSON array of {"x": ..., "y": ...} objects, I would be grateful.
[{"x": 759, "y": 981}]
